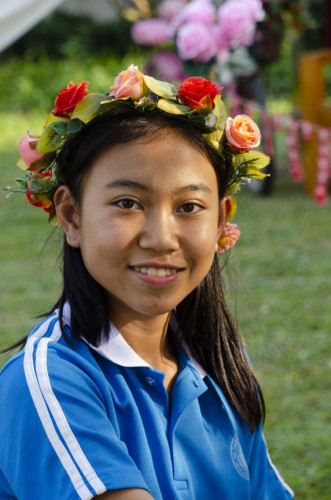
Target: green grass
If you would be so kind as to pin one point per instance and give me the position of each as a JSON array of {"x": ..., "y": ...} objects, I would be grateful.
[
  {"x": 280, "y": 286},
  {"x": 283, "y": 303}
]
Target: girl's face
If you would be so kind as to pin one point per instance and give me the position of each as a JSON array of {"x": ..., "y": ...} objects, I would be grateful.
[{"x": 148, "y": 224}]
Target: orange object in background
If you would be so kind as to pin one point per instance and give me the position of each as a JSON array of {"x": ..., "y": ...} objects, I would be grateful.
[{"x": 312, "y": 95}]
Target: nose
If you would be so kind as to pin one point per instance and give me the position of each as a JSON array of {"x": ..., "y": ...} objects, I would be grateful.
[{"x": 159, "y": 232}]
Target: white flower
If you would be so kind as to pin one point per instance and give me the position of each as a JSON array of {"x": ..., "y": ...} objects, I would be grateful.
[{"x": 210, "y": 120}]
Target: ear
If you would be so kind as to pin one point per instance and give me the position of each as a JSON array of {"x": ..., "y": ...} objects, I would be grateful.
[
  {"x": 225, "y": 209},
  {"x": 67, "y": 214}
]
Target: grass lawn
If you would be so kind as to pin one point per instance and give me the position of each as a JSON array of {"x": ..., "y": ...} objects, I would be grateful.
[{"x": 279, "y": 283}]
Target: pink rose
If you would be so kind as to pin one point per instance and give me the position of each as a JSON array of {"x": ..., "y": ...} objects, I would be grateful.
[
  {"x": 170, "y": 8},
  {"x": 153, "y": 31},
  {"x": 27, "y": 150},
  {"x": 256, "y": 10},
  {"x": 198, "y": 11},
  {"x": 194, "y": 41},
  {"x": 219, "y": 36},
  {"x": 236, "y": 22},
  {"x": 242, "y": 133},
  {"x": 229, "y": 237},
  {"x": 128, "y": 83}
]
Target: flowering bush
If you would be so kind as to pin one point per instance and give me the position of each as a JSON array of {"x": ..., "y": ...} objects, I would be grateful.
[
  {"x": 153, "y": 31},
  {"x": 201, "y": 31},
  {"x": 194, "y": 41}
]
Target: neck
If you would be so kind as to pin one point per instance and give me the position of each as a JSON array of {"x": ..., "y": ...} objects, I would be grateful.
[{"x": 148, "y": 338}]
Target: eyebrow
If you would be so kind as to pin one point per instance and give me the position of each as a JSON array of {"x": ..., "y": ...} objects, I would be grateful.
[
  {"x": 120, "y": 183},
  {"x": 194, "y": 187}
]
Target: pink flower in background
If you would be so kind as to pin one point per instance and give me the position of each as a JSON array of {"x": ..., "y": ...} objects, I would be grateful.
[
  {"x": 128, "y": 83},
  {"x": 27, "y": 150},
  {"x": 256, "y": 10},
  {"x": 229, "y": 237},
  {"x": 219, "y": 37},
  {"x": 194, "y": 41},
  {"x": 200, "y": 11},
  {"x": 223, "y": 56},
  {"x": 170, "y": 8},
  {"x": 153, "y": 31},
  {"x": 236, "y": 22},
  {"x": 166, "y": 65}
]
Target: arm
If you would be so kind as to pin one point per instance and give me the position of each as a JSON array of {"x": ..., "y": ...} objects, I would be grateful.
[{"x": 131, "y": 494}]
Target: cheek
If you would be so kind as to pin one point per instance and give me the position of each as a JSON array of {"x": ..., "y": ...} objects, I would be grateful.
[{"x": 202, "y": 246}]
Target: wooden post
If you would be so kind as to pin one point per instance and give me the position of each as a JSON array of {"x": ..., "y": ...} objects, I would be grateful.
[{"x": 312, "y": 95}]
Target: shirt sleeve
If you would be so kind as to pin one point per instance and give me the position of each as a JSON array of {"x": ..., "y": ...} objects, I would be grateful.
[
  {"x": 266, "y": 482},
  {"x": 57, "y": 436}
]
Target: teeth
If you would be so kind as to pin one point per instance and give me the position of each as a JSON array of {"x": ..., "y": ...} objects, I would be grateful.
[{"x": 153, "y": 271}]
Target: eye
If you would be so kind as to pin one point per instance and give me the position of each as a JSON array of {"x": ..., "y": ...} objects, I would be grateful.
[
  {"x": 190, "y": 208},
  {"x": 128, "y": 204}
]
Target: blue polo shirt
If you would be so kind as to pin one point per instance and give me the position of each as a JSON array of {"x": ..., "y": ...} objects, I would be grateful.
[{"x": 77, "y": 421}]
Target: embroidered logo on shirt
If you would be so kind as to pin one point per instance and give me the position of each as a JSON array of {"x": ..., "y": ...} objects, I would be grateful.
[{"x": 238, "y": 458}]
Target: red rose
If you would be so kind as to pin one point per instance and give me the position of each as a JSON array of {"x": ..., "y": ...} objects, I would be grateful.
[
  {"x": 68, "y": 99},
  {"x": 198, "y": 93}
]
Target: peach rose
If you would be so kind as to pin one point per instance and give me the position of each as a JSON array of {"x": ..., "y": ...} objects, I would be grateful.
[
  {"x": 27, "y": 150},
  {"x": 242, "y": 132},
  {"x": 229, "y": 237},
  {"x": 128, "y": 83}
]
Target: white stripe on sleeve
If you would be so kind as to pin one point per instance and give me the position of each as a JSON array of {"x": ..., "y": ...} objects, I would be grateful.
[
  {"x": 61, "y": 421},
  {"x": 279, "y": 477},
  {"x": 83, "y": 492}
]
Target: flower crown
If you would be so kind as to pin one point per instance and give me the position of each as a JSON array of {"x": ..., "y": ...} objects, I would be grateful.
[{"x": 196, "y": 99}]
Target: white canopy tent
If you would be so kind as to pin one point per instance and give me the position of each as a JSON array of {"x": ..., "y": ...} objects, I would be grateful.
[{"x": 19, "y": 16}]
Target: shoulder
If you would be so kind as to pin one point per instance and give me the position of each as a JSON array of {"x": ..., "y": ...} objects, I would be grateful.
[
  {"x": 55, "y": 394},
  {"x": 46, "y": 359}
]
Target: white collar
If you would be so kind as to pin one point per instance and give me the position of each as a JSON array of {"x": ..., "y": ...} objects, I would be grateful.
[{"x": 117, "y": 350}]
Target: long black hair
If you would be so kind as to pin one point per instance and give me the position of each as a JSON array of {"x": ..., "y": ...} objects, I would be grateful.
[{"x": 204, "y": 320}]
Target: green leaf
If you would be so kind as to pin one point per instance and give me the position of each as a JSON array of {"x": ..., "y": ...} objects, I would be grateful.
[
  {"x": 251, "y": 159},
  {"x": 172, "y": 107},
  {"x": 22, "y": 183},
  {"x": 162, "y": 89},
  {"x": 49, "y": 140},
  {"x": 43, "y": 162},
  {"x": 220, "y": 112},
  {"x": 88, "y": 107},
  {"x": 214, "y": 139},
  {"x": 254, "y": 173},
  {"x": 21, "y": 164},
  {"x": 117, "y": 106},
  {"x": 52, "y": 119},
  {"x": 59, "y": 127},
  {"x": 74, "y": 126}
]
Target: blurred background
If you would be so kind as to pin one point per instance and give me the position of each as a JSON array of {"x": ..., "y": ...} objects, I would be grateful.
[{"x": 273, "y": 60}]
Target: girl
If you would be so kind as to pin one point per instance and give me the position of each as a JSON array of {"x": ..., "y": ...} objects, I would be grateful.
[{"x": 137, "y": 385}]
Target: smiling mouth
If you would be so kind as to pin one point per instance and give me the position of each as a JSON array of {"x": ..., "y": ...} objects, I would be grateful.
[{"x": 153, "y": 271}]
